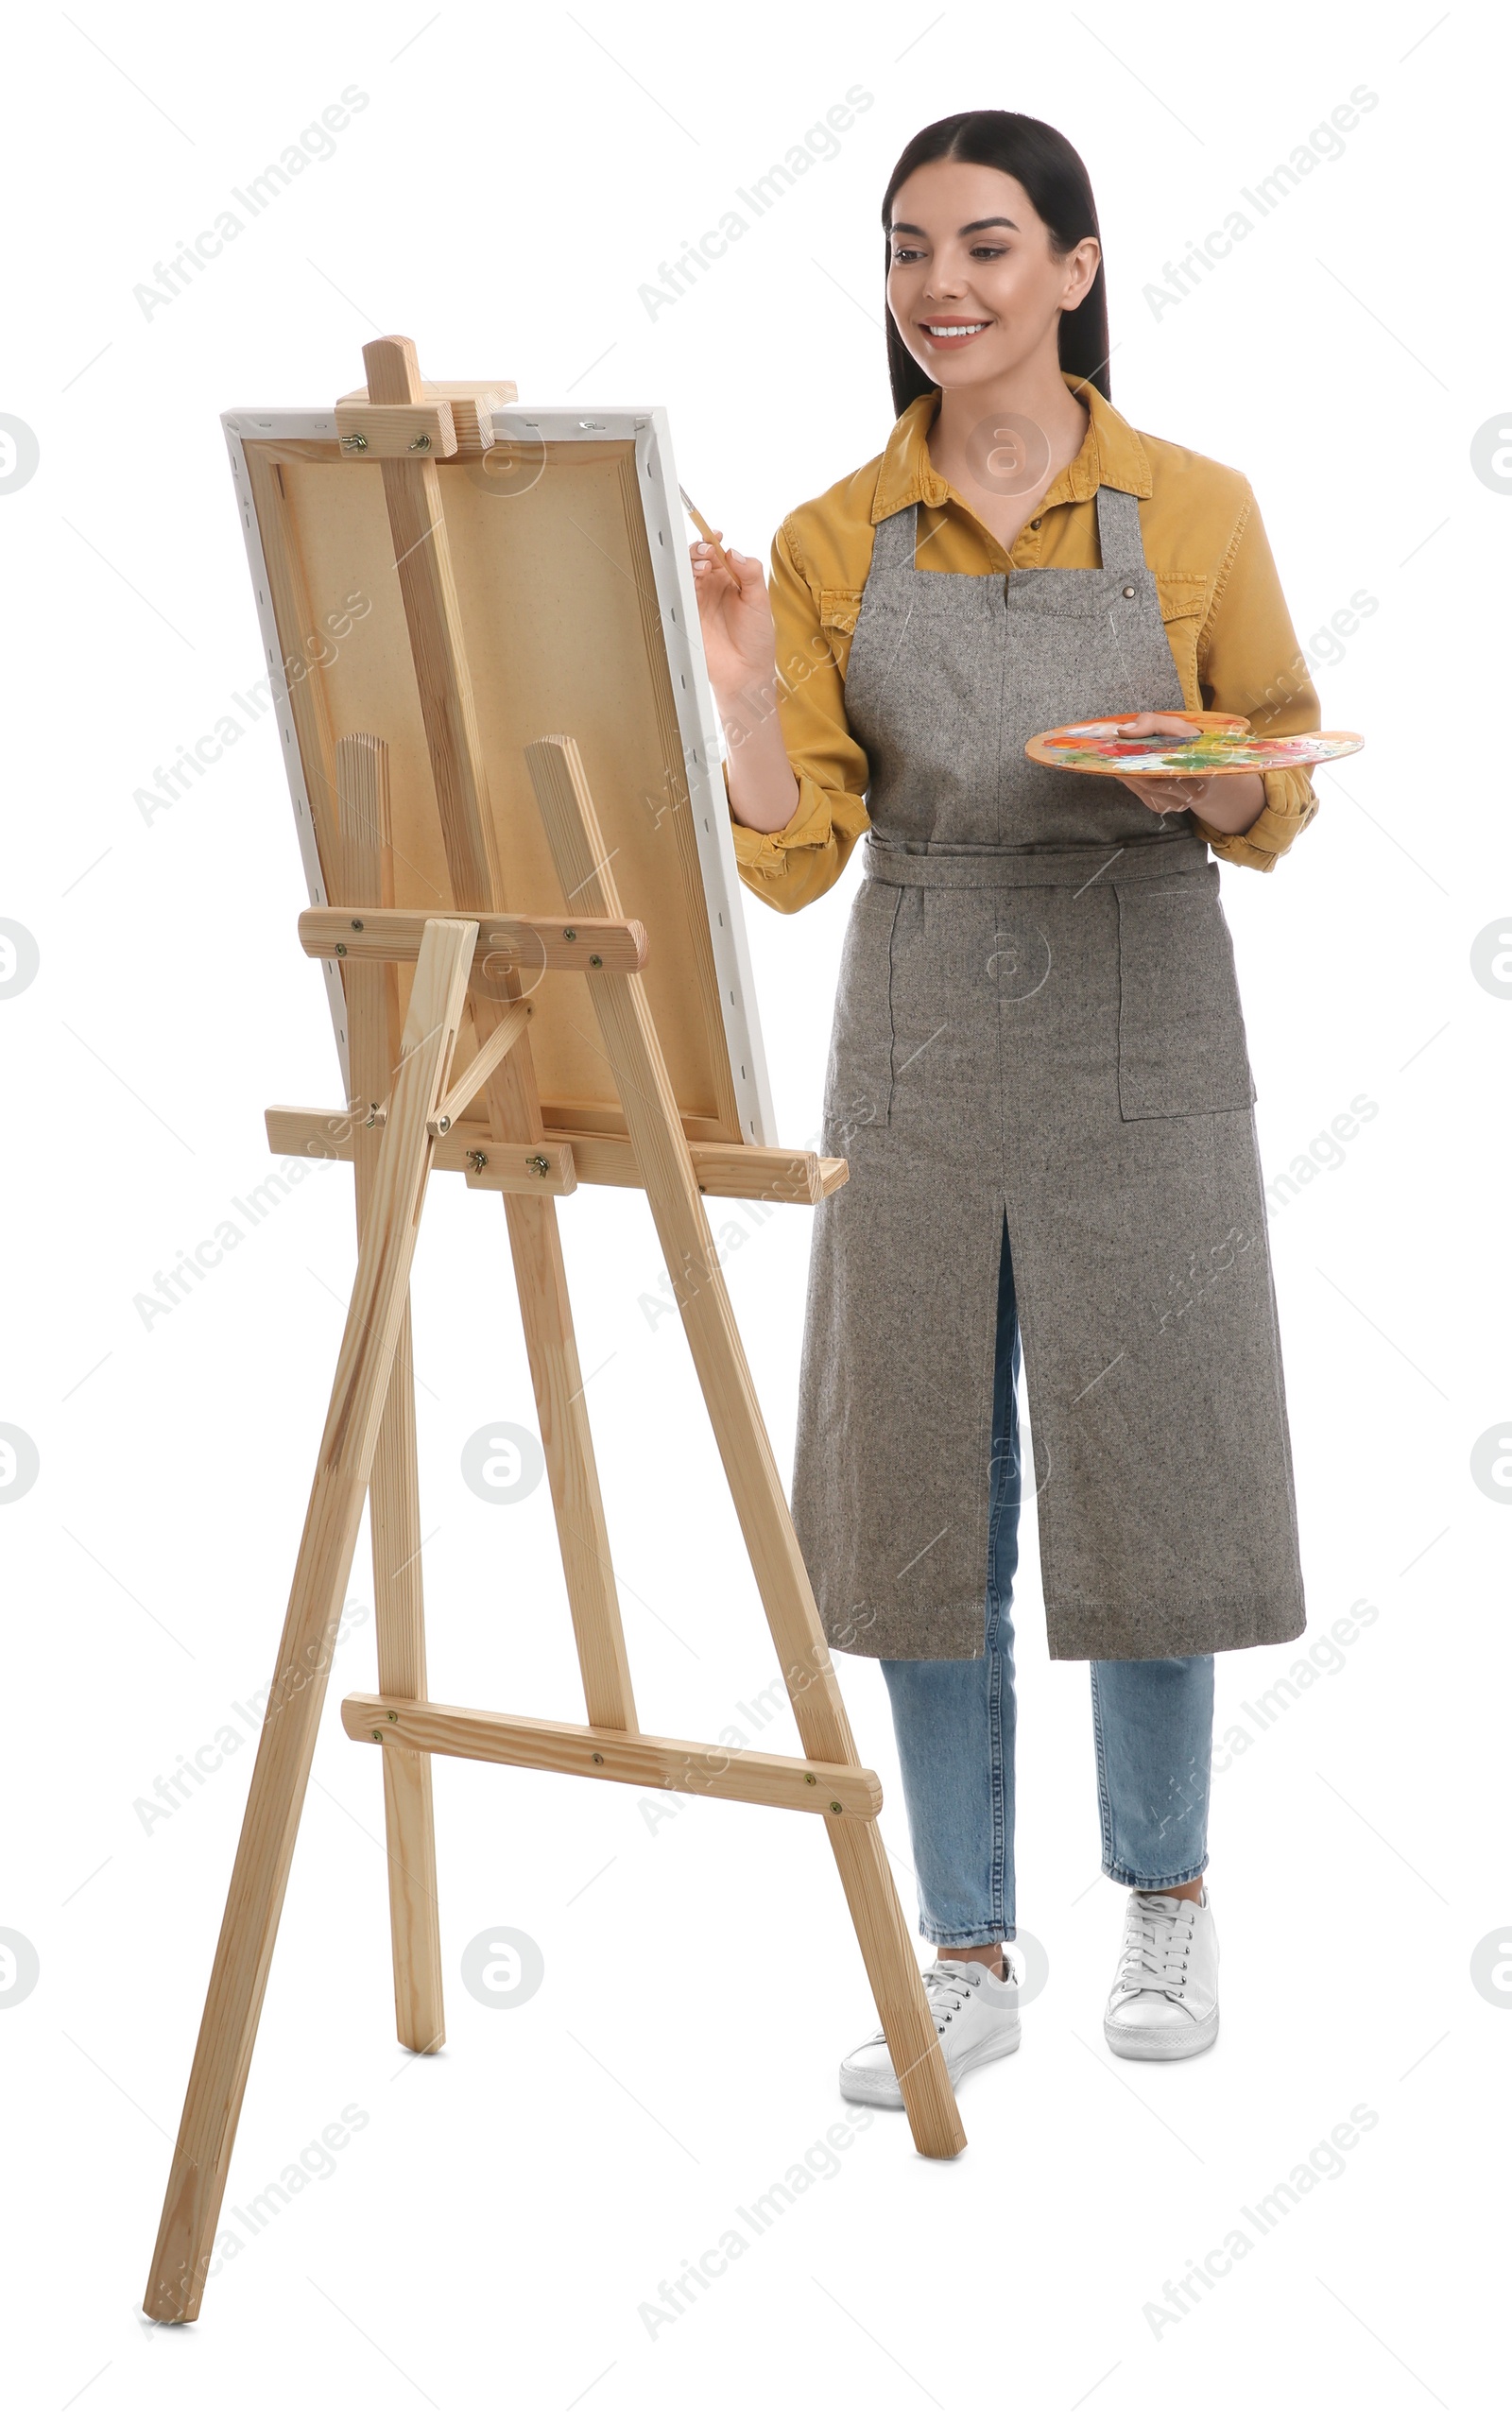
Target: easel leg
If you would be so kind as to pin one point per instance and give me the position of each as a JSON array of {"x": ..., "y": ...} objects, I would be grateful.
[
  {"x": 552, "y": 1346},
  {"x": 286, "y": 1747},
  {"x": 393, "y": 1496},
  {"x": 409, "y": 1824},
  {"x": 634, "y": 1053},
  {"x": 881, "y": 1931}
]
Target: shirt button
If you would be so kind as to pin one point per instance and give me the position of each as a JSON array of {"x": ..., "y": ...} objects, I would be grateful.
[
  {"x": 1035, "y": 524},
  {"x": 1130, "y": 590}
]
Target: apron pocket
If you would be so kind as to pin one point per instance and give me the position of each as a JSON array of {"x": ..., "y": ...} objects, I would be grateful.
[
  {"x": 858, "y": 1078},
  {"x": 1181, "y": 1046}
]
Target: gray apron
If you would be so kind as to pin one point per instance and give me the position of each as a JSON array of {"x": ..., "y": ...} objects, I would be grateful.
[{"x": 1038, "y": 1022}]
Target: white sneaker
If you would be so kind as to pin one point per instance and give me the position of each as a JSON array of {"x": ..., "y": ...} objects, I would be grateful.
[
  {"x": 1164, "y": 2001},
  {"x": 976, "y": 2015}
]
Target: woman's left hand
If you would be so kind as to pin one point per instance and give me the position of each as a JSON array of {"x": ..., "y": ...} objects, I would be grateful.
[{"x": 1230, "y": 802}]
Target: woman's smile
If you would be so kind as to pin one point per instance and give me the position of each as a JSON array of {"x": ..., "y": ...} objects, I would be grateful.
[{"x": 949, "y": 331}]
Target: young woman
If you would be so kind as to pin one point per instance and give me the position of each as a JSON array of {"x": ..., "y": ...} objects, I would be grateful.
[{"x": 1037, "y": 1071}]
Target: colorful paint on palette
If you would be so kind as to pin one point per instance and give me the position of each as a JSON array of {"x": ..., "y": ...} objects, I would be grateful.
[{"x": 1102, "y": 748}]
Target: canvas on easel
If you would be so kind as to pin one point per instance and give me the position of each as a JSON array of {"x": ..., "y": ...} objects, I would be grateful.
[
  {"x": 573, "y": 583},
  {"x": 539, "y": 977}
]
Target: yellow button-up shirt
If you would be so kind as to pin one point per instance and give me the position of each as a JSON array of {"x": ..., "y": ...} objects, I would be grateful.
[{"x": 1224, "y": 617}]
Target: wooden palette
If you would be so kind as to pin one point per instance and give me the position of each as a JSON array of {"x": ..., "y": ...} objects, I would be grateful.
[{"x": 1220, "y": 745}]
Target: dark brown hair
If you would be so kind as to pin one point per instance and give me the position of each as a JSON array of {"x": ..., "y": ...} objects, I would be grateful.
[{"x": 1054, "y": 178}]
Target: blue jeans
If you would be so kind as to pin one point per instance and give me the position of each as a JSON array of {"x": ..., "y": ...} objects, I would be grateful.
[{"x": 953, "y": 1719}]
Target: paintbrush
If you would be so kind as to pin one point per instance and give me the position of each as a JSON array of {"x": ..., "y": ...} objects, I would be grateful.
[{"x": 704, "y": 532}]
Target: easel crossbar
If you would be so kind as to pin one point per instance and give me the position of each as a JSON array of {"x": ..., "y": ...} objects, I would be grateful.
[
  {"x": 615, "y": 945},
  {"x": 656, "y": 1763},
  {"x": 768, "y": 1173}
]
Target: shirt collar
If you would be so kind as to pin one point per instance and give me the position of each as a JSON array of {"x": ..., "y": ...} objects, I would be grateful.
[{"x": 1110, "y": 454}]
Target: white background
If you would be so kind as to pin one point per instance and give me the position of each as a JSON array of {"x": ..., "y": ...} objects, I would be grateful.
[{"x": 485, "y": 2243}]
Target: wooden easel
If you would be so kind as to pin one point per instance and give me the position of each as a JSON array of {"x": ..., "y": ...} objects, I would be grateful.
[{"x": 409, "y": 1097}]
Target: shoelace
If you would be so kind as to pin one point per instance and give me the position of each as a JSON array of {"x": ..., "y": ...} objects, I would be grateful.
[
  {"x": 946, "y": 1992},
  {"x": 946, "y": 1995},
  {"x": 1157, "y": 1948}
]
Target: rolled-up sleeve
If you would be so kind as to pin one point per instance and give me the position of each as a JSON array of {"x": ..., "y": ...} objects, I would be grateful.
[
  {"x": 795, "y": 864},
  {"x": 1249, "y": 664}
]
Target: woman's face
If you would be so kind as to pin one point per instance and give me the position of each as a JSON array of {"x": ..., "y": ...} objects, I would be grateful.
[{"x": 974, "y": 284}]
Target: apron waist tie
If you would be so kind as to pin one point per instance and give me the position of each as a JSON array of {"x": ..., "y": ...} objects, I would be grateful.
[{"x": 1005, "y": 871}]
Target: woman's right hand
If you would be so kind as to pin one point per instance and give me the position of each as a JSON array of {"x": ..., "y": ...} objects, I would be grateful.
[
  {"x": 740, "y": 643},
  {"x": 736, "y": 613}
]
